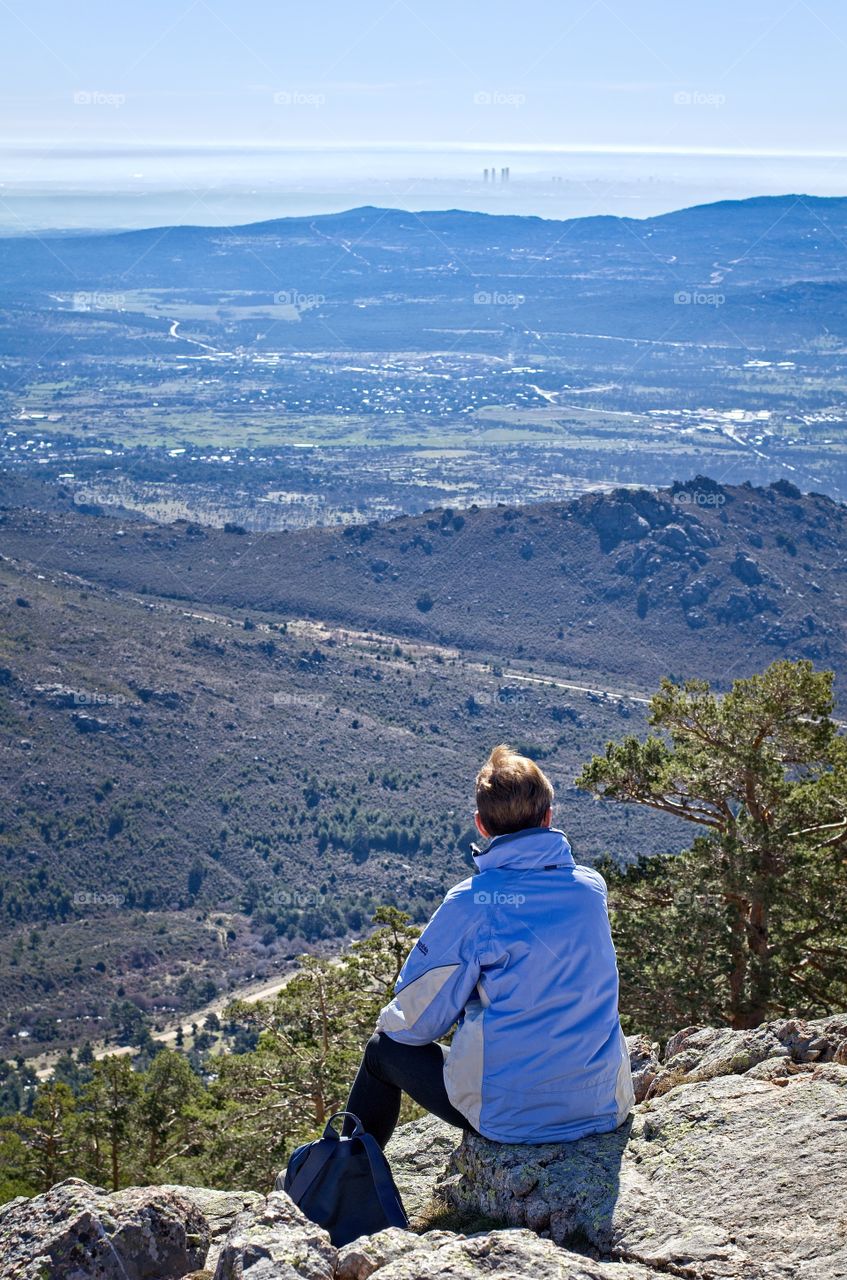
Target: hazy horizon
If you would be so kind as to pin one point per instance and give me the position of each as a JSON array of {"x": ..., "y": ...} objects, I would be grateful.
[
  {"x": 133, "y": 188},
  {"x": 220, "y": 114}
]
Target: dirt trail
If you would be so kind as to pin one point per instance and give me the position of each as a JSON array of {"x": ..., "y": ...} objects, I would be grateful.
[{"x": 251, "y": 992}]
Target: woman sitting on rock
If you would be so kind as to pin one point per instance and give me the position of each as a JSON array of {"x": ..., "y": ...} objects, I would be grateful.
[{"x": 520, "y": 955}]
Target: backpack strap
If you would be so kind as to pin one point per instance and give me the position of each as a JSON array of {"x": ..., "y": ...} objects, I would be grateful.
[
  {"x": 310, "y": 1169},
  {"x": 323, "y": 1151},
  {"x": 389, "y": 1197}
]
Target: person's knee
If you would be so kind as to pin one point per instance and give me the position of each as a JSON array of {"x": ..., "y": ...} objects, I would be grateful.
[
  {"x": 377, "y": 1050},
  {"x": 389, "y": 1060}
]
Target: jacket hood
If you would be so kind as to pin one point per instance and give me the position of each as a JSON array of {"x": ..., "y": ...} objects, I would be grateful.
[{"x": 532, "y": 847}]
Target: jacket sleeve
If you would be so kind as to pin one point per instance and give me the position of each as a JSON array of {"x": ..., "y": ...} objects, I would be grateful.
[{"x": 439, "y": 976}]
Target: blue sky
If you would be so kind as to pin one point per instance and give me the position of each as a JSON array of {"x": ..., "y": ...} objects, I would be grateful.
[
  {"x": 600, "y": 73},
  {"x": 596, "y": 106}
]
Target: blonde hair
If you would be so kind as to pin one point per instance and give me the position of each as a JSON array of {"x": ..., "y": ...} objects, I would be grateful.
[{"x": 511, "y": 792}]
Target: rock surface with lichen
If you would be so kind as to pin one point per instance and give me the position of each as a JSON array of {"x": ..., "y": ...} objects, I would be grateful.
[
  {"x": 78, "y": 1232},
  {"x": 729, "y": 1168}
]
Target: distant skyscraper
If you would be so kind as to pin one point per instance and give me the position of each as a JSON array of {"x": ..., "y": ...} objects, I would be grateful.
[{"x": 485, "y": 175}]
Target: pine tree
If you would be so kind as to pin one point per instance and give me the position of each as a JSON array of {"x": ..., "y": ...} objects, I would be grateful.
[
  {"x": 50, "y": 1134},
  {"x": 17, "y": 1175},
  {"x": 108, "y": 1104},
  {"x": 169, "y": 1088},
  {"x": 749, "y": 922}
]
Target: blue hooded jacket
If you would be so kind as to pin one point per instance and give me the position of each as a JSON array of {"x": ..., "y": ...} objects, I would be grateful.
[{"x": 521, "y": 956}]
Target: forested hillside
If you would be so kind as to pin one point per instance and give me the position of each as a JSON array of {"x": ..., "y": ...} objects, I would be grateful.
[{"x": 221, "y": 748}]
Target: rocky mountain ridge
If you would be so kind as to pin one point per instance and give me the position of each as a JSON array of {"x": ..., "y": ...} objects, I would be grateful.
[
  {"x": 731, "y": 1168},
  {"x": 698, "y": 579}
]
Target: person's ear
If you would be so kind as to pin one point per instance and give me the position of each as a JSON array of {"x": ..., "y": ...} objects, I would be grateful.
[
  {"x": 548, "y": 817},
  {"x": 480, "y": 828}
]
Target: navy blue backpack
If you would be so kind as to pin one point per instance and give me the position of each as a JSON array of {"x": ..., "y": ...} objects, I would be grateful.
[{"x": 344, "y": 1184}]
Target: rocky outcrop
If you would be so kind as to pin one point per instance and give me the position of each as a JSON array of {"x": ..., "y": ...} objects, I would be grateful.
[
  {"x": 788, "y": 1047},
  {"x": 698, "y": 591},
  {"x": 738, "y": 1131},
  {"x": 503, "y": 1255},
  {"x": 79, "y": 1232},
  {"x": 746, "y": 569},
  {"x": 617, "y": 521},
  {"x": 670, "y": 528},
  {"x": 732, "y": 1167},
  {"x": 220, "y": 1210},
  {"x": 725, "y": 1179},
  {"x": 275, "y": 1241},
  {"x": 644, "y": 1063}
]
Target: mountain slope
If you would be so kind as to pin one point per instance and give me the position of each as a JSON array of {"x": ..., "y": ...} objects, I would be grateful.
[
  {"x": 189, "y": 797},
  {"x": 219, "y": 747}
]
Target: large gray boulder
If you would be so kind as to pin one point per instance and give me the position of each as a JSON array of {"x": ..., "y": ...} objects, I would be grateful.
[
  {"x": 220, "y": 1210},
  {"x": 731, "y": 1178},
  {"x": 275, "y": 1241},
  {"x": 363, "y": 1257},
  {"x": 78, "y": 1232}
]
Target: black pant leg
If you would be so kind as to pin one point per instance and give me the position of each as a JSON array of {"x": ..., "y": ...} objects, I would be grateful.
[{"x": 389, "y": 1069}]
